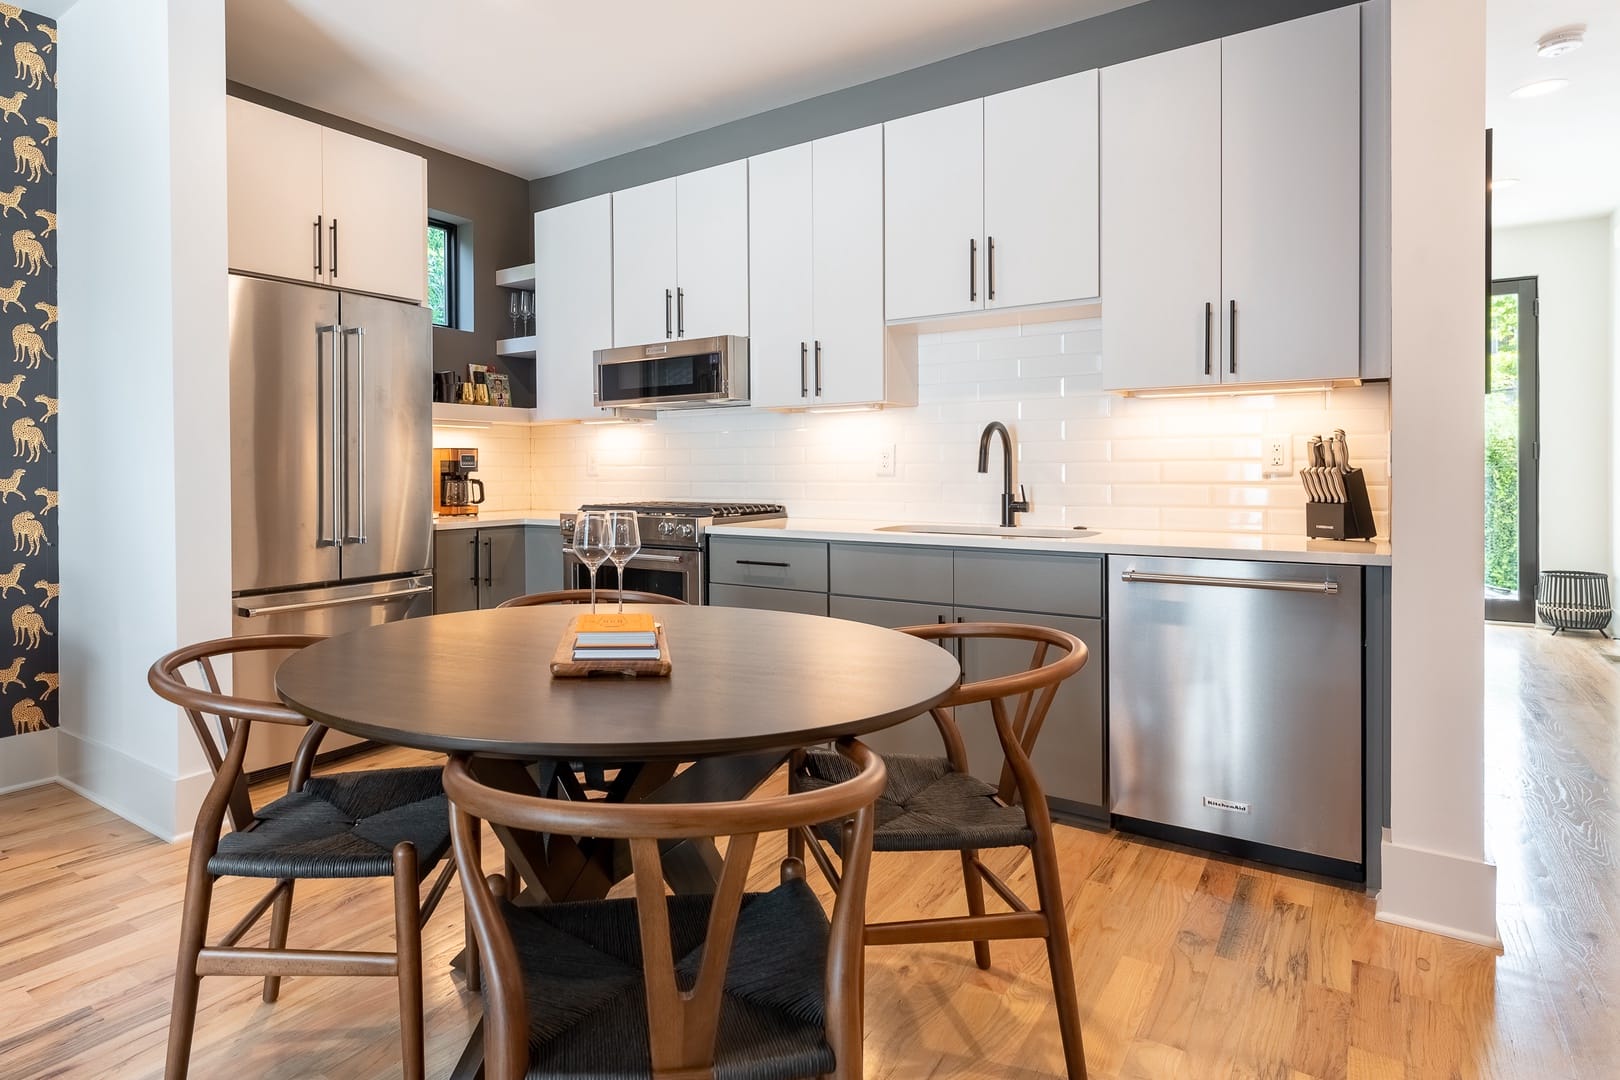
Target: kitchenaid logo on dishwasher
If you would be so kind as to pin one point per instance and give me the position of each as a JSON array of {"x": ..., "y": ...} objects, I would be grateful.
[{"x": 1226, "y": 804}]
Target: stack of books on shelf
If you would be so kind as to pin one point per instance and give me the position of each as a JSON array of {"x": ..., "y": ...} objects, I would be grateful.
[{"x": 615, "y": 637}]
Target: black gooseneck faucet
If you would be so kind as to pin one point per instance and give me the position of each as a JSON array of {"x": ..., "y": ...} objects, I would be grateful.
[{"x": 1009, "y": 505}]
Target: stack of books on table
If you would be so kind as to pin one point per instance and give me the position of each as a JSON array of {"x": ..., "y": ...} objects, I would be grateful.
[{"x": 616, "y": 637}]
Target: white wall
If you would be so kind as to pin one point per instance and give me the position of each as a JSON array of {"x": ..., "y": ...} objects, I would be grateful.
[
  {"x": 1571, "y": 259},
  {"x": 1087, "y": 457},
  {"x": 1435, "y": 872},
  {"x": 1614, "y": 379},
  {"x": 145, "y": 540}
]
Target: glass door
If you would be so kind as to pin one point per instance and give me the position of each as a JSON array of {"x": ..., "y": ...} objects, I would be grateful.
[{"x": 1512, "y": 559}]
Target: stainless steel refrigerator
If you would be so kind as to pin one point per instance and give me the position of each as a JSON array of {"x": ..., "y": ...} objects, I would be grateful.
[{"x": 331, "y": 458}]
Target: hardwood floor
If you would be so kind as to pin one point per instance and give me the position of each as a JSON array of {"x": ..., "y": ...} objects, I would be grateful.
[{"x": 1188, "y": 967}]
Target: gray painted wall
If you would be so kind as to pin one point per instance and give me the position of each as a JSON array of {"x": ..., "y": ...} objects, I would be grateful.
[
  {"x": 1142, "y": 29},
  {"x": 496, "y": 203}
]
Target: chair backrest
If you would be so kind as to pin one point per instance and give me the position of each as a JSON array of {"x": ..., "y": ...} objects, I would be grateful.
[
  {"x": 224, "y": 744},
  {"x": 682, "y": 1025},
  {"x": 583, "y": 596},
  {"x": 1055, "y": 656}
]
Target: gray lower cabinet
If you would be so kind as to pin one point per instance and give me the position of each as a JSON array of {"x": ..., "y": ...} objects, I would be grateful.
[
  {"x": 1071, "y": 755},
  {"x": 762, "y": 599},
  {"x": 482, "y": 568},
  {"x": 919, "y": 735}
]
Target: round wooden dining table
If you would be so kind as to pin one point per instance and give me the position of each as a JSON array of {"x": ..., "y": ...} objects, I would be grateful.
[{"x": 746, "y": 689}]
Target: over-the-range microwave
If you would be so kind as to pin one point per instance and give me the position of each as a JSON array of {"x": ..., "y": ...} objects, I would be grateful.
[{"x": 681, "y": 374}]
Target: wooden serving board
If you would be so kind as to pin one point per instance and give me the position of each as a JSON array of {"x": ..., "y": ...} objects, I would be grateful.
[{"x": 564, "y": 666}]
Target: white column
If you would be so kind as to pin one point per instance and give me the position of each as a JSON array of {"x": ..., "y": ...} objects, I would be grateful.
[
  {"x": 144, "y": 442},
  {"x": 1435, "y": 872}
]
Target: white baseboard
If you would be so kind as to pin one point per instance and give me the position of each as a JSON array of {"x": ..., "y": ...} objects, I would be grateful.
[
  {"x": 1439, "y": 893},
  {"x": 136, "y": 791},
  {"x": 29, "y": 760}
]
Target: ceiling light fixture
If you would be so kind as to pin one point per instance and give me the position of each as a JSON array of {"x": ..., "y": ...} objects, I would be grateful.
[
  {"x": 1558, "y": 42},
  {"x": 1540, "y": 88}
]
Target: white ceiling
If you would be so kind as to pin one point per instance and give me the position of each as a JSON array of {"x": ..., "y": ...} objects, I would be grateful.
[
  {"x": 1564, "y": 147},
  {"x": 536, "y": 88}
]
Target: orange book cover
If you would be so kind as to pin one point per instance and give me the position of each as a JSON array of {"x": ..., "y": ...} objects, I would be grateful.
[{"x": 629, "y": 622}]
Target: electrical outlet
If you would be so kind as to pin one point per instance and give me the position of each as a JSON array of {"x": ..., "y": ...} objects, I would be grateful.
[
  {"x": 592, "y": 463},
  {"x": 1275, "y": 454},
  {"x": 885, "y": 460}
]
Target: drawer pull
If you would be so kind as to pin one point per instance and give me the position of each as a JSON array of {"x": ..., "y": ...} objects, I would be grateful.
[{"x": 761, "y": 562}]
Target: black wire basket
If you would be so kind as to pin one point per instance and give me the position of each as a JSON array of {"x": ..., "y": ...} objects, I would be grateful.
[{"x": 1574, "y": 600}]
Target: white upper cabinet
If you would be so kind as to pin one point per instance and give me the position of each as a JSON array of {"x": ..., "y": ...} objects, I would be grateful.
[
  {"x": 273, "y": 165},
  {"x": 573, "y": 291},
  {"x": 780, "y": 252},
  {"x": 289, "y": 181},
  {"x": 850, "y": 362},
  {"x": 816, "y": 267},
  {"x": 1291, "y": 199},
  {"x": 1231, "y": 194},
  {"x": 680, "y": 257},
  {"x": 376, "y": 216},
  {"x": 1161, "y": 222},
  {"x": 1040, "y": 193},
  {"x": 933, "y": 220},
  {"x": 644, "y": 266},
  {"x": 711, "y": 281}
]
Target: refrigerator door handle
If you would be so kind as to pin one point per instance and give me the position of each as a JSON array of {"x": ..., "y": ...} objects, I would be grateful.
[
  {"x": 358, "y": 479},
  {"x": 246, "y": 612},
  {"x": 331, "y": 535}
]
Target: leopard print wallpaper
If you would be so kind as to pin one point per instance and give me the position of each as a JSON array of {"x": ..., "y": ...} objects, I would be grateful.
[{"x": 28, "y": 676}]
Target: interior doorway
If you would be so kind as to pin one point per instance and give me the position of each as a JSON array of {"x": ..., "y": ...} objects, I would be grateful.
[{"x": 1512, "y": 557}]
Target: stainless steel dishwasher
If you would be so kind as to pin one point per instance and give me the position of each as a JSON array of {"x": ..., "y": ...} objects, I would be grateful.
[{"x": 1235, "y": 712}]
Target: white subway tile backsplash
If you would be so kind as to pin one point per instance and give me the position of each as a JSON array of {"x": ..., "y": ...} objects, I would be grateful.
[{"x": 1086, "y": 456}]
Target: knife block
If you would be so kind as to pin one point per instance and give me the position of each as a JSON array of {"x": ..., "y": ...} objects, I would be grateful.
[{"x": 1349, "y": 520}]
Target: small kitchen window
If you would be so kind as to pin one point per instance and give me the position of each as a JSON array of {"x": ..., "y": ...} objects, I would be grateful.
[{"x": 444, "y": 264}]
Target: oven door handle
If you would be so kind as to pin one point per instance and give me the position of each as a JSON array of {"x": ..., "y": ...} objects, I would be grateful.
[{"x": 643, "y": 556}]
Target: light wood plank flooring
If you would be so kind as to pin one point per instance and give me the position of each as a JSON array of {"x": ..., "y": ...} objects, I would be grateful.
[{"x": 1189, "y": 967}]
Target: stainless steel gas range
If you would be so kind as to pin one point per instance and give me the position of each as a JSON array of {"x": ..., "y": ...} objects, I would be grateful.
[{"x": 673, "y": 540}]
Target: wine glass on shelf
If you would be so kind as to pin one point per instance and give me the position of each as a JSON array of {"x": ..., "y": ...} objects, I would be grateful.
[
  {"x": 591, "y": 544},
  {"x": 512, "y": 308},
  {"x": 526, "y": 309},
  {"x": 623, "y": 541}
]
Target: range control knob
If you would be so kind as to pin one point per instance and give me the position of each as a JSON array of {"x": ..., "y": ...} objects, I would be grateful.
[
  {"x": 687, "y": 532},
  {"x": 666, "y": 528}
]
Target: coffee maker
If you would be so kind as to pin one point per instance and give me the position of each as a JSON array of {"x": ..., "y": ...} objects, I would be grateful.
[{"x": 455, "y": 492}]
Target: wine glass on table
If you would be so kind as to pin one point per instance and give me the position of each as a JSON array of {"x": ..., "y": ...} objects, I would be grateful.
[
  {"x": 591, "y": 544},
  {"x": 624, "y": 540}
]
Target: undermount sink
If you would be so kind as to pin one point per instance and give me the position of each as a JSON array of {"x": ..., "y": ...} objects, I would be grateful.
[{"x": 1076, "y": 532}]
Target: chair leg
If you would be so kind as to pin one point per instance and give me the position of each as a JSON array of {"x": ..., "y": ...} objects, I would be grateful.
[
  {"x": 279, "y": 917},
  {"x": 187, "y": 983},
  {"x": 514, "y": 880},
  {"x": 1049, "y": 887},
  {"x": 974, "y": 885},
  {"x": 473, "y": 972},
  {"x": 408, "y": 945}
]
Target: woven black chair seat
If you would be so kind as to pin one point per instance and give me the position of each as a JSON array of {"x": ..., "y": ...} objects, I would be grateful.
[
  {"x": 343, "y": 825},
  {"x": 925, "y": 807},
  {"x": 587, "y": 999}
]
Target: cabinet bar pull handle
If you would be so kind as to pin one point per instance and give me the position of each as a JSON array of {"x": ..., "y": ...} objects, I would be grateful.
[
  {"x": 473, "y": 543},
  {"x": 1209, "y": 328},
  {"x": 1231, "y": 338},
  {"x": 973, "y": 269},
  {"x": 680, "y": 312},
  {"x": 334, "y": 249},
  {"x": 489, "y": 561},
  {"x": 758, "y": 562},
  {"x": 669, "y": 324},
  {"x": 317, "y": 247},
  {"x": 804, "y": 370},
  {"x": 990, "y": 269},
  {"x": 818, "y": 369},
  {"x": 1327, "y": 588}
]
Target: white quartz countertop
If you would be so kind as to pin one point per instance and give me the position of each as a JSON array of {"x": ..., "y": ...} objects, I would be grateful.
[
  {"x": 1261, "y": 547},
  {"x": 488, "y": 519}
]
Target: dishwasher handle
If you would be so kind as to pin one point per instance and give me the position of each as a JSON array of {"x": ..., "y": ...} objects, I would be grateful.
[{"x": 1325, "y": 588}]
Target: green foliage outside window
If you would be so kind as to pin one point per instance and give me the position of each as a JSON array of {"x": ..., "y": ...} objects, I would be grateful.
[
  {"x": 441, "y": 244},
  {"x": 1502, "y": 449}
]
